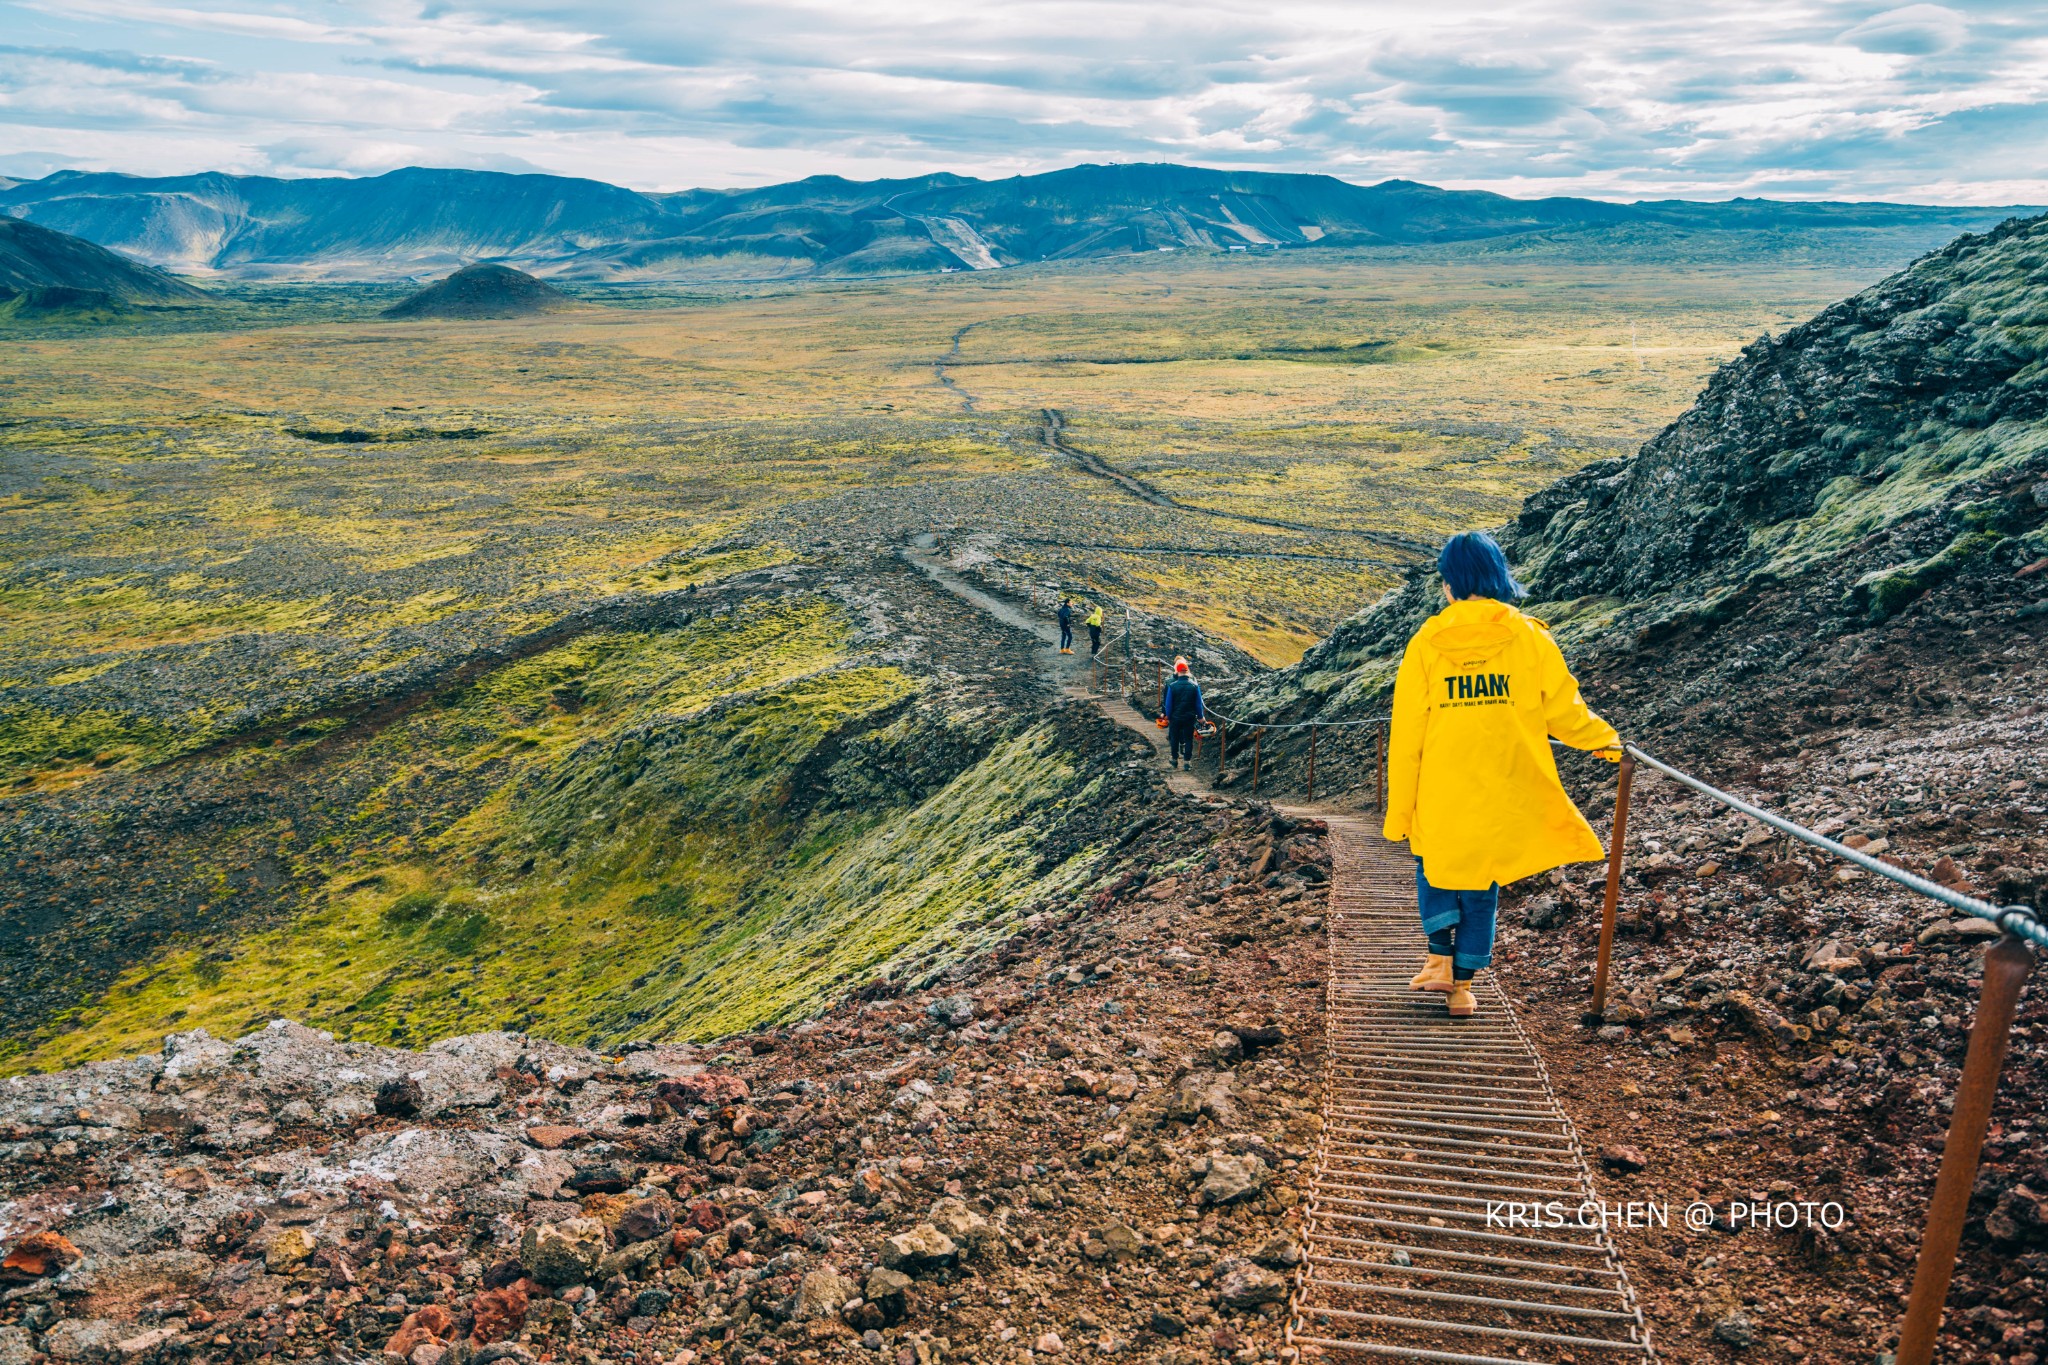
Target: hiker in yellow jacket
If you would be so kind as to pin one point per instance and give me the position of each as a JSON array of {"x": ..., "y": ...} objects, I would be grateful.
[{"x": 1471, "y": 784}]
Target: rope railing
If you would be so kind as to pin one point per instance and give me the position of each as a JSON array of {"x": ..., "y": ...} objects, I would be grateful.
[
  {"x": 2007, "y": 964},
  {"x": 2014, "y": 919}
]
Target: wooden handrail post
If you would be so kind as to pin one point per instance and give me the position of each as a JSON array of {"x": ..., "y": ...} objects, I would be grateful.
[
  {"x": 1257, "y": 736},
  {"x": 1312, "y": 760},
  {"x": 1379, "y": 765},
  {"x": 2006, "y": 966},
  {"x": 1621, "y": 789}
]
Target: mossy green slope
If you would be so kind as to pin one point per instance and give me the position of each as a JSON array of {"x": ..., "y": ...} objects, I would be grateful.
[{"x": 687, "y": 832}]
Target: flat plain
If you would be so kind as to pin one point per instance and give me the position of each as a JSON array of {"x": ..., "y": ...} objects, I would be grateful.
[{"x": 308, "y": 618}]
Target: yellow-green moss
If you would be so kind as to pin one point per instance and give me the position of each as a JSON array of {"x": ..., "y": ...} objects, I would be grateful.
[{"x": 646, "y": 863}]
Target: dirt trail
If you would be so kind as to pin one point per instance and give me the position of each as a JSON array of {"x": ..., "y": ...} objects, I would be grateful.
[
  {"x": 1052, "y": 432},
  {"x": 939, "y": 368},
  {"x": 1067, "y": 672}
]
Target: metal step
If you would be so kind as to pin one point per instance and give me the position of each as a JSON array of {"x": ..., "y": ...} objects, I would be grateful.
[{"x": 1428, "y": 1121}]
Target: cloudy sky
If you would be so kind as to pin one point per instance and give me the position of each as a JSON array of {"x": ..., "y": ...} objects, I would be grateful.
[{"x": 1614, "y": 98}]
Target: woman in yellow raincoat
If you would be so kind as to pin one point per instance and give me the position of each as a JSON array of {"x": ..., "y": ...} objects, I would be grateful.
[{"x": 1471, "y": 784}]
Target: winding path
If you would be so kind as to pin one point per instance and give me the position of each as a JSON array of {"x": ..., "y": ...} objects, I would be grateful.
[
  {"x": 1431, "y": 1127},
  {"x": 1052, "y": 431},
  {"x": 939, "y": 368}
]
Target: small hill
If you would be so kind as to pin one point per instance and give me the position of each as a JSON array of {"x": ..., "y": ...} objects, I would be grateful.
[
  {"x": 59, "y": 303},
  {"x": 56, "y": 272},
  {"x": 483, "y": 291}
]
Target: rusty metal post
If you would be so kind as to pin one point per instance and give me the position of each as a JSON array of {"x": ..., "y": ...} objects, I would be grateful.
[
  {"x": 2006, "y": 966},
  {"x": 1379, "y": 765},
  {"x": 1623, "y": 781},
  {"x": 1312, "y": 760},
  {"x": 1257, "y": 735},
  {"x": 1222, "y": 747}
]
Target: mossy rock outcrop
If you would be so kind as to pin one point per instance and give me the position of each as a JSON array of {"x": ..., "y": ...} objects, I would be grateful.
[{"x": 1908, "y": 424}]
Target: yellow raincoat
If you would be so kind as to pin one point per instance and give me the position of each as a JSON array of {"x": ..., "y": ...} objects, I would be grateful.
[{"x": 1471, "y": 784}]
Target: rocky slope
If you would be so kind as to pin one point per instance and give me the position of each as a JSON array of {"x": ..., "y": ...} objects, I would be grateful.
[
  {"x": 483, "y": 291},
  {"x": 1826, "y": 589},
  {"x": 1085, "y": 1140},
  {"x": 680, "y": 815},
  {"x": 418, "y": 219},
  {"x": 1884, "y": 459}
]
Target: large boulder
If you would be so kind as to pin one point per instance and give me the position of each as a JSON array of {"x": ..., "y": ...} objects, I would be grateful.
[
  {"x": 820, "y": 1296},
  {"x": 888, "y": 1292},
  {"x": 922, "y": 1248},
  {"x": 963, "y": 1225}
]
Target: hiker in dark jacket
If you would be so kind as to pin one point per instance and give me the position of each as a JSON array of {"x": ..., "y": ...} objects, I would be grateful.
[
  {"x": 1181, "y": 703},
  {"x": 1066, "y": 615}
]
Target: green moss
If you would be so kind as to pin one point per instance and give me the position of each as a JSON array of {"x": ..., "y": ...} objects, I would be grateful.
[
  {"x": 412, "y": 909},
  {"x": 39, "y": 746},
  {"x": 717, "y": 835},
  {"x": 1886, "y": 592}
]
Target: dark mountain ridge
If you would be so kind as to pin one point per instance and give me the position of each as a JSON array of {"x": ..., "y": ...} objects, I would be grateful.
[
  {"x": 419, "y": 220},
  {"x": 1873, "y": 479},
  {"x": 45, "y": 272}
]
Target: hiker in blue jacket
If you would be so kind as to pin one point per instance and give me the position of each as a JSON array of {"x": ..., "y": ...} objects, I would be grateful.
[
  {"x": 1181, "y": 703},
  {"x": 1066, "y": 615}
]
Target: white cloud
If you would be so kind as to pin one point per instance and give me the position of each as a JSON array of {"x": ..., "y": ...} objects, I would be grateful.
[
  {"x": 1607, "y": 97},
  {"x": 1914, "y": 31}
]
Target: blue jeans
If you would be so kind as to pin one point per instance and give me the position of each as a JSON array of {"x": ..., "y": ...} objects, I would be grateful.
[{"x": 1465, "y": 918}]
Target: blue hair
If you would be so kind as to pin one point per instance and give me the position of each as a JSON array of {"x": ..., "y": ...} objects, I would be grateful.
[{"x": 1473, "y": 566}]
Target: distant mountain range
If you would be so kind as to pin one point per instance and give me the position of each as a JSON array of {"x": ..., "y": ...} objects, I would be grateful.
[{"x": 417, "y": 222}]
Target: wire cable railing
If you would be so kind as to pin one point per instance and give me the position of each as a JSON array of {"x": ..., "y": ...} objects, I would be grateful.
[
  {"x": 2007, "y": 964},
  {"x": 2013, "y": 919}
]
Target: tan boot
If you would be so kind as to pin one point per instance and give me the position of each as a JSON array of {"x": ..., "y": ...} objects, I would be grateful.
[
  {"x": 1434, "y": 976},
  {"x": 1461, "y": 1005}
]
